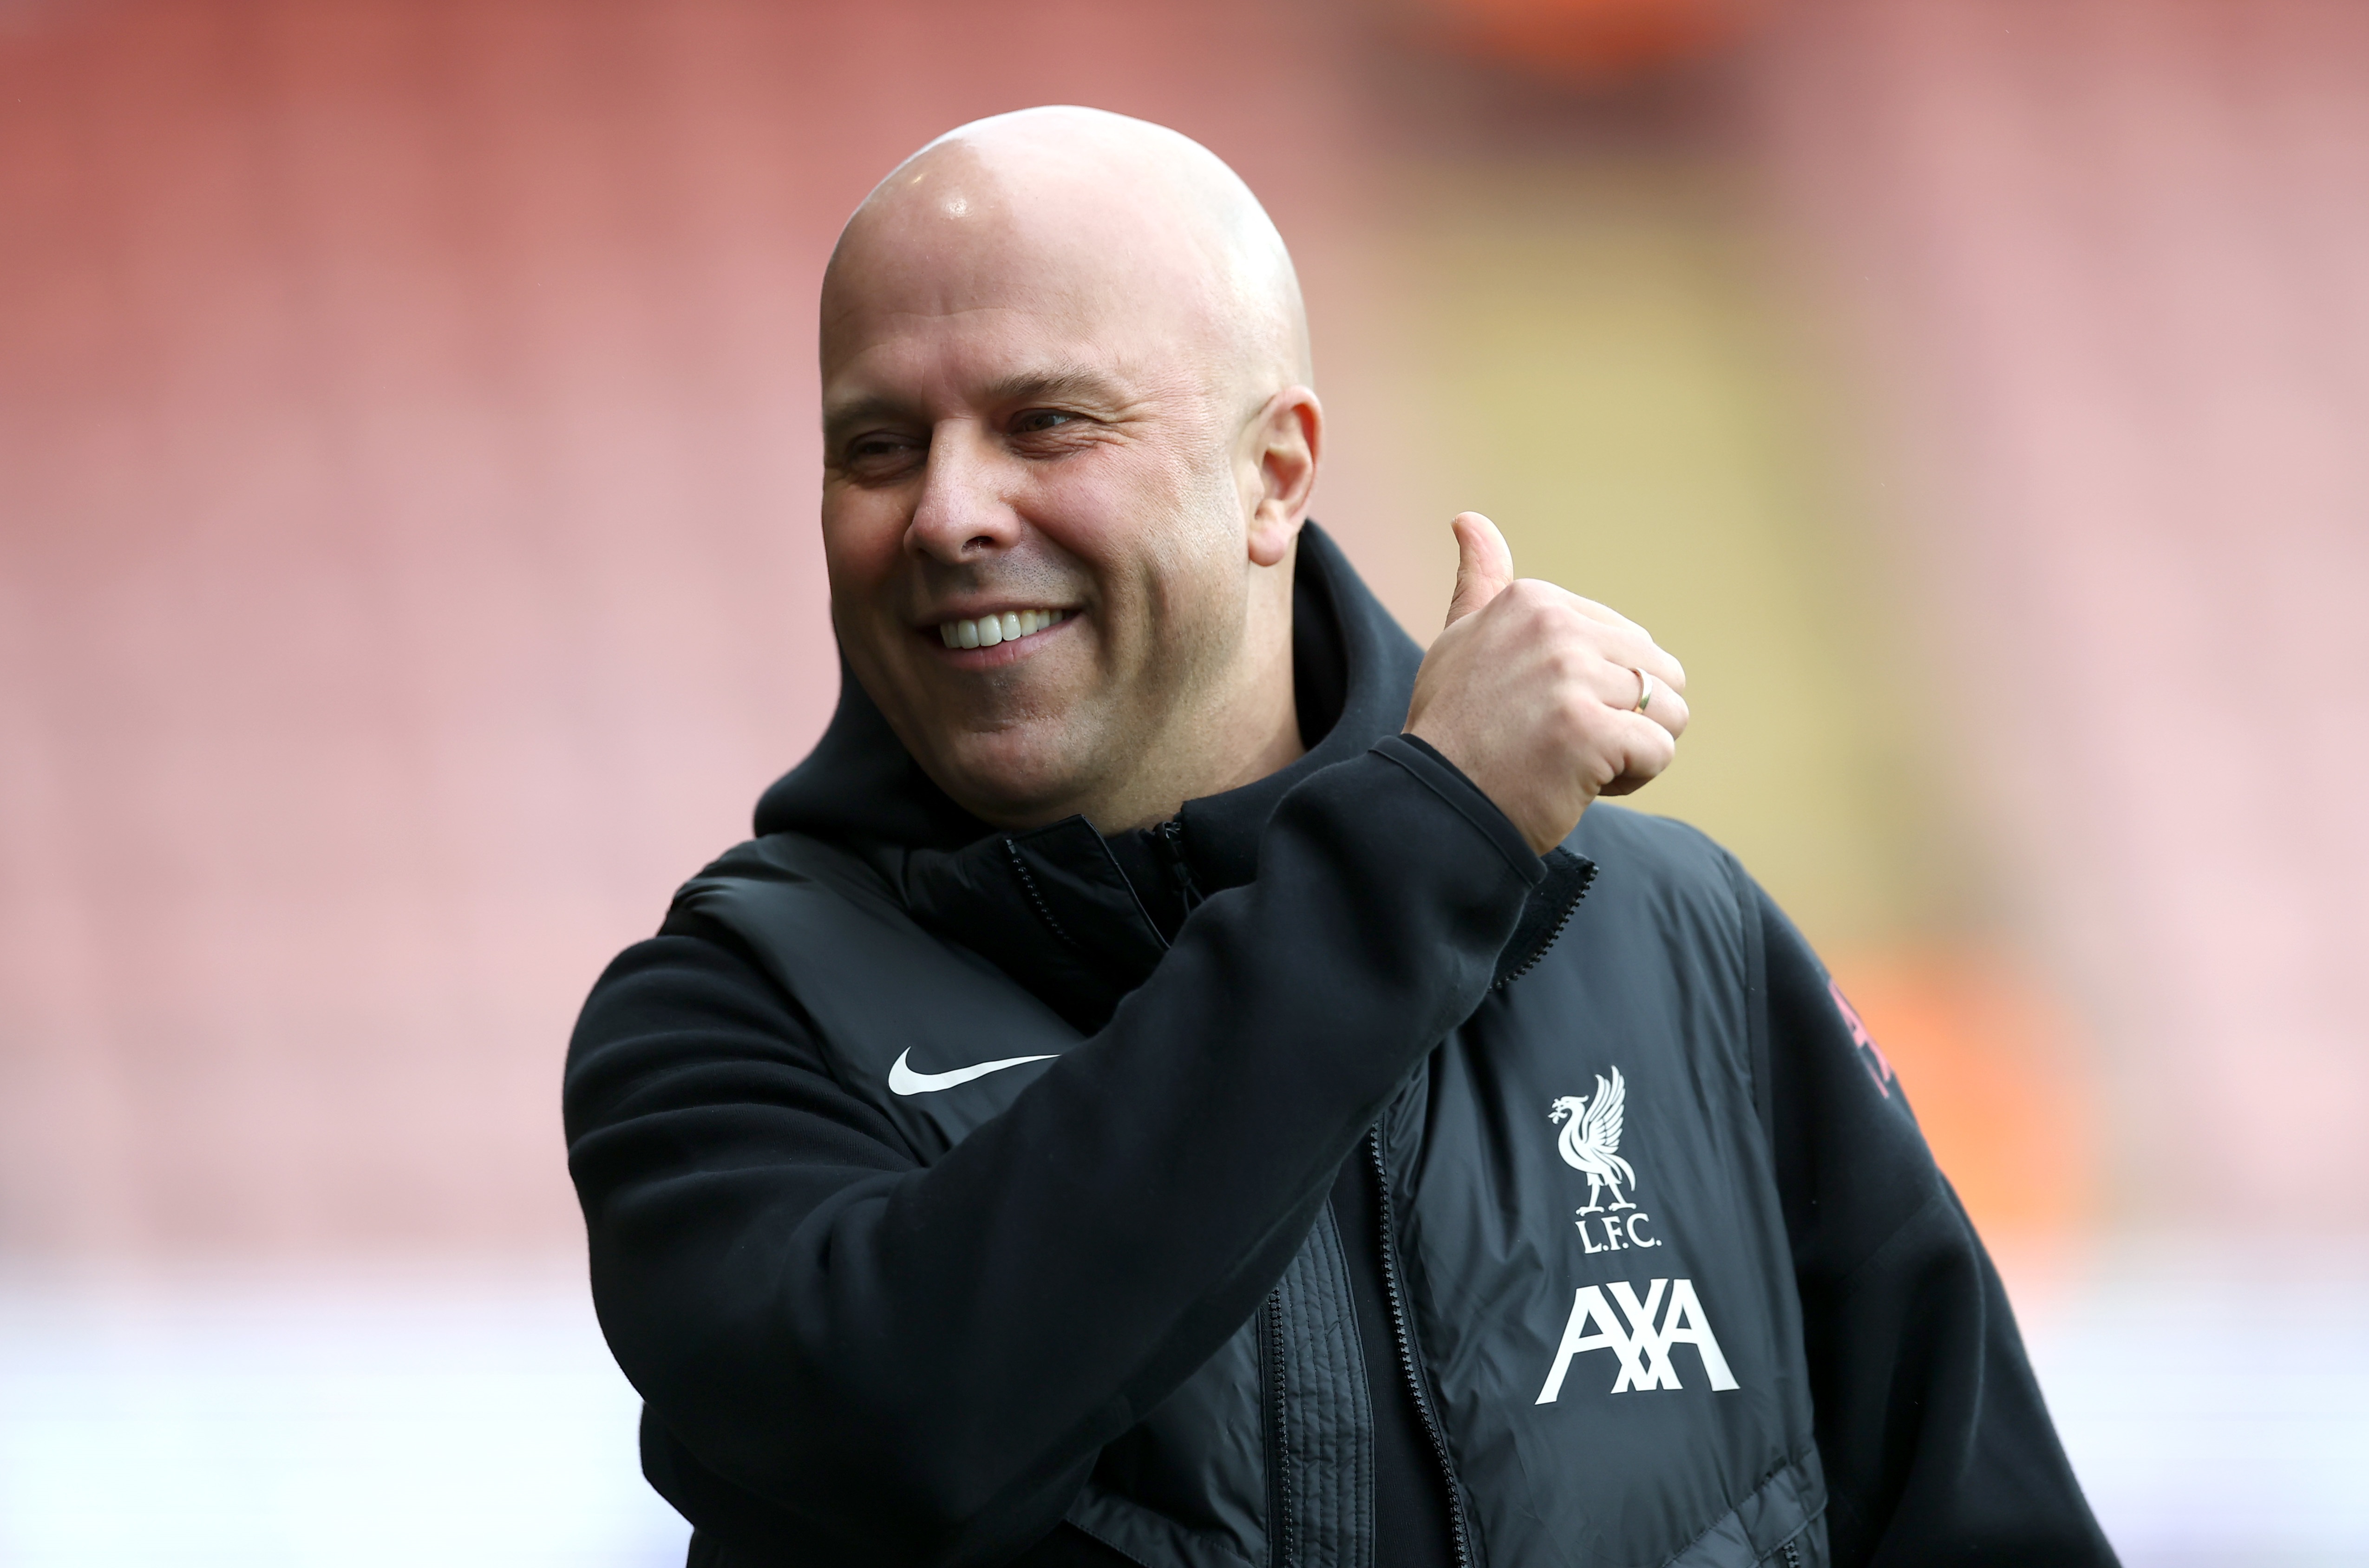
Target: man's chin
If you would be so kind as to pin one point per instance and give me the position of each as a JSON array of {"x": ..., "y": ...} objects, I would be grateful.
[{"x": 1012, "y": 781}]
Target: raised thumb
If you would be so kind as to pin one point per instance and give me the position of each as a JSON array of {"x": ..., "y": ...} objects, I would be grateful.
[{"x": 1484, "y": 565}]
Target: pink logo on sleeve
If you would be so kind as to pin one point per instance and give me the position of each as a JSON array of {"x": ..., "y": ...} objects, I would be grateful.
[{"x": 1878, "y": 1067}]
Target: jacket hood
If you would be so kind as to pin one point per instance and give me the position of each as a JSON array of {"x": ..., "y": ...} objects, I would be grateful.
[{"x": 1354, "y": 666}]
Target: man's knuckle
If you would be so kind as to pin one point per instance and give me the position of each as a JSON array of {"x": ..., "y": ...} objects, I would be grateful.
[
  {"x": 1569, "y": 662},
  {"x": 1570, "y": 723}
]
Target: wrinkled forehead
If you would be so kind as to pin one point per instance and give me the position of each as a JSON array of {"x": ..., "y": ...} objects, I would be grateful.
[{"x": 1041, "y": 240}]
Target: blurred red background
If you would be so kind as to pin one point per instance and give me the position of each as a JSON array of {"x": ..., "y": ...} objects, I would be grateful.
[
  {"x": 407, "y": 568},
  {"x": 408, "y": 576},
  {"x": 409, "y": 572}
]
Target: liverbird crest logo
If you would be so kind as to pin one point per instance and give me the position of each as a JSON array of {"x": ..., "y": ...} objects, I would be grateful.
[{"x": 1590, "y": 1143}]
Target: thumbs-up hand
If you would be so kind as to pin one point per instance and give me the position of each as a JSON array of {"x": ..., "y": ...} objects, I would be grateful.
[{"x": 1544, "y": 699}]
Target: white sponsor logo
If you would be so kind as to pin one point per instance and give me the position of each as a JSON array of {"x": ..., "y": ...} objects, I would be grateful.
[
  {"x": 903, "y": 1079},
  {"x": 1590, "y": 1144},
  {"x": 1643, "y": 1349}
]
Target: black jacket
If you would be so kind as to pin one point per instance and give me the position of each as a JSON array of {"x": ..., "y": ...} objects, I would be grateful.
[{"x": 1347, "y": 1189}]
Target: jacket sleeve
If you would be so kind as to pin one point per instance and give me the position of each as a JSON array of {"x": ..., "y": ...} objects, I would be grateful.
[
  {"x": 1936, "y": 1446},
  {"x": 847, "y": 1358}
]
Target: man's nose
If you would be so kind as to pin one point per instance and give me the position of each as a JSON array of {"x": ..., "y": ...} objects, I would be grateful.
[{"x": 962, "y": 512}]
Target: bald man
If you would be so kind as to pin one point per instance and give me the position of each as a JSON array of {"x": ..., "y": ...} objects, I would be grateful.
[{"x": 1184, "y": 1076}]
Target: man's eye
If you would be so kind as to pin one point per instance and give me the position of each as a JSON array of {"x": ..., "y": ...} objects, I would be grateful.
[
  {"x": 1037, "y": 419},
  {"x": 874, "y": 450}
]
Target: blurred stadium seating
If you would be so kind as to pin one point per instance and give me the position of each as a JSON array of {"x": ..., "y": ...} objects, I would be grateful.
[{"x": 407, "y": 574}]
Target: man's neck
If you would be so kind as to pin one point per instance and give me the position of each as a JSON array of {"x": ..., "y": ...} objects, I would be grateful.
[{"x": 1239, "y": 748}]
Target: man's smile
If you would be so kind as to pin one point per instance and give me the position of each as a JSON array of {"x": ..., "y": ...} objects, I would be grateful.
[
  {"x": 993, "y": 640},
  {"x": 986, "y": 631}
]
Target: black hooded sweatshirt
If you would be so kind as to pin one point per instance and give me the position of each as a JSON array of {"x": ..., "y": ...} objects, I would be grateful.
[{"x": 863, "y": 1342}]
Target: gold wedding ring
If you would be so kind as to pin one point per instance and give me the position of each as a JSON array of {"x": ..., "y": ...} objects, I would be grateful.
[{"x": 1644, "y": 691}]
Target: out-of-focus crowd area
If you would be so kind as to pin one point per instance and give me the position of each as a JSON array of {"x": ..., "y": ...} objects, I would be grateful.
[{"x": 409, "y": 574}]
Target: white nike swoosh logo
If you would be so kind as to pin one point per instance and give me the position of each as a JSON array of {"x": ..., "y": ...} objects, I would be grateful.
[{"x": 903, "y": 1079}]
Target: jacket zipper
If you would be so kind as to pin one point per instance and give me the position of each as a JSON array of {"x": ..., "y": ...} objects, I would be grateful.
[
  {"x": 1283, "y": 1550},
  {"x": 1028, "y": 881},
  {"x": 1171, "y": 839},
  {"x": 1792, "y": 1555},
  {"x": 1404, "y": 1336},
  {"x": 1554, "y": 932}
]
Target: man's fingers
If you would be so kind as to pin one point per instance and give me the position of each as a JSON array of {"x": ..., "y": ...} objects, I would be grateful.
[
  {"x": 1636, "y": 661},
  {"x": 1646, "y": 750},
  {"x": 1663, "y": 703},
  {"x": 1624, "y": 641},
  {"x": 1642, "y": 654},
  {"x": 1595, "y": 612},
  {"x": 1485, "y": 564},
  {"x": 1619, "y": 687}
]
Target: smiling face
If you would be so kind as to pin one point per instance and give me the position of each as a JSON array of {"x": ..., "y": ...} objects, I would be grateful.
[{"x": 1065, "y": 460}]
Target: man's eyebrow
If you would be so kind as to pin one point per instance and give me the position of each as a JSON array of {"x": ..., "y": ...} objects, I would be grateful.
[
  {"x": 838, "y": 417},
  {"x": 1059, "y": 384},
  {"x": 1062, "y": 384}
]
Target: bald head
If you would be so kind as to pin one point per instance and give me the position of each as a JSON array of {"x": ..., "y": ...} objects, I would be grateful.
[
  {"x": 1069, "y": 442},
  {"x": 1123, "y": 211}
]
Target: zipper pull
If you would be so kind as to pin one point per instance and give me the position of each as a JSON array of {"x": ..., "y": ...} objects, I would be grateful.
[{"x": 1170, "y": 837}]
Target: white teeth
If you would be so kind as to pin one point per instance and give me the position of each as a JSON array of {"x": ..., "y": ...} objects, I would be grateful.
[{"x": 988, "y": 630}]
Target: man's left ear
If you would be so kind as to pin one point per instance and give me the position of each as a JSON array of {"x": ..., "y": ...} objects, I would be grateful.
[{"x": 1286, "y": 439}]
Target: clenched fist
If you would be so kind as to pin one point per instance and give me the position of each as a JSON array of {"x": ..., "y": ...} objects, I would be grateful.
[{"x": 1534, "y": 693}]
